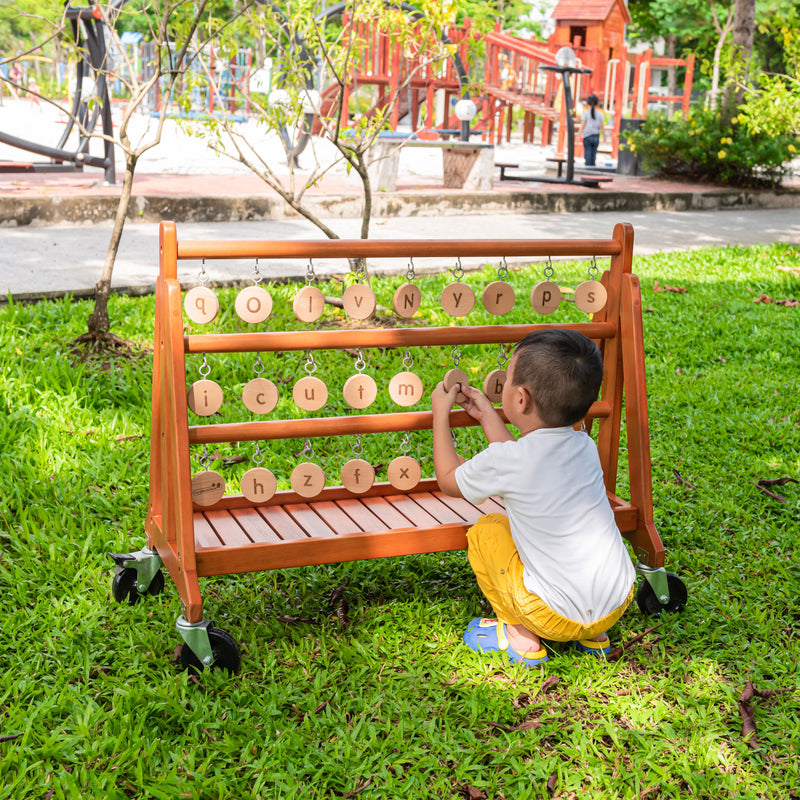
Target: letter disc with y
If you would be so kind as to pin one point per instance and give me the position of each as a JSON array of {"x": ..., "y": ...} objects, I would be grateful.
[{"x": 458, "y": 299}]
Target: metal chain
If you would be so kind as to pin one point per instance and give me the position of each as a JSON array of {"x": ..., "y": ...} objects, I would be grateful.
[
  {"x": 360, "y": 363},
  {"x": 593, "y": 270},
  {"x": 258, "y": 366},
  {"x": 502, "y": 357},
  {"x": 204, "y": 459},
  {"x": 458, "y": 272},
  {"x": 308, "y": 450},
  {"x": 405, "y": 444},
  {"x": 455, "y": 354},
  {"x": 410, "y": 270},
  {"x": 311, "y": 365},
  {"x": 358, "y": 448},
  {"x": 205, "y": 367},
  {"x": 257, "y": 276},
  {"x": 258, "y": 456},
  {"x": 548, "y": 270},
  {"x": 408, "y": 360},
  {"x": 310, "y": 274},
  {"x": 502, "y": 270}
]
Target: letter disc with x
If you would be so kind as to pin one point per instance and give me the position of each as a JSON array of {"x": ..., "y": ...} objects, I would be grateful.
[
  {"x": 310, "y": 393},
  {"x": 308, "y": 304},
  {"x": 201, "y": 305},
  {"x": 545, "y": 297},
  {"x": 403, "y": 473},
  {"x": 405, "y": 388},
  {"x": 590, "y": 296},
  {"x": 407, "y": 300},
  {"x": 499, "y": 298},
  {"x": 253, "y": 304},
  {"x": 358, "y": 301},
  {"x": 454, "y": 376},
  {"x": 360, "y": 391},
  {"x": 260, "y": 395},
  {"x": 204, "y": 397},
  {"x": 357, "y": 475},
  {"x": 493, "y": 385},
  {"x": 307, "y": 479},
  {"x": 258, "y": 485},
  {"x": 458, "y": 299},
  {"x": 208, "y": 487}
]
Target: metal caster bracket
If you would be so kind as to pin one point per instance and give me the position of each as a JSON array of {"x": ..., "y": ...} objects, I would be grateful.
[
  {"x": 195, "y": 635},
  {"x": 146, "y": 562},
  {"x": 657, "y": 578}
]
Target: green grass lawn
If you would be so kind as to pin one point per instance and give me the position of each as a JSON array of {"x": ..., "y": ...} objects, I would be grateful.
[{"x": 393, "y": 705}]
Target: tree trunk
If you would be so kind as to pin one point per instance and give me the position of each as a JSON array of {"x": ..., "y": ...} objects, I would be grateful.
[
  {"x": 672, "y": 71},
  {"x": 744, "y": 26}
]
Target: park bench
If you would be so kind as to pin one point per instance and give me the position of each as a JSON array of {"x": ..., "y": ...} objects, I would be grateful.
[
  {"x": 196, "y": 528},
  {"x": 590, "y": 181}
]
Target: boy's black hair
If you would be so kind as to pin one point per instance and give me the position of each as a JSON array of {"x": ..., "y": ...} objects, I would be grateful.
[{"x": 562, "y": 370}]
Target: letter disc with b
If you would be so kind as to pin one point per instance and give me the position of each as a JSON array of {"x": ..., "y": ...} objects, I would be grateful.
[{"x": 493, "y": 385}]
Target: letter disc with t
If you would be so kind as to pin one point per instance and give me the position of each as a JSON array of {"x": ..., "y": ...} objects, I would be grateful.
[
  {"x": 253, "y": 304},
  {"x": 493, "y": 385},
  {"x": 258, "y": 485},
  {"x": 357, "y": 475},
  {"x": 310, "y": 393},
  {"x": 201, "y": 305},
  {"x": 499, "y": 298},
  {"x": 260, "y": 395},
  {"x": 307, "y": 479},
  {"x": 407, "y": 300},
  {"x": 403, "y": 473},
  {"x": 545, "y": 297},
  {"x": 204, "y": 397},
  {"x": 358, "y": 301},
  {"x": 308, "y": 304},
  {"x": 360, "y": 391},
  {"x": 590, "y": 296},
  {"x": 405, "y": 388},
  {"x": 458, "y": 299},
  {"x": 208, "y": 487},
  {"x": 454, "y": 376}
]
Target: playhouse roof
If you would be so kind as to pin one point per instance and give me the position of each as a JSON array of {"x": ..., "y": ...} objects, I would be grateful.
[{"x": 589, "y": 10}]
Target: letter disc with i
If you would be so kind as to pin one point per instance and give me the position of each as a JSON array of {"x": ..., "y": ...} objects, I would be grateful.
[
  {"x": 201, "y": 305},
  {"x": 403, "y": 473},
  {"x": 358, "y": 301},
  {"x": 253, "y": 304},
  {"x": 407, "y": 300},
  {"x": 493, "y": 385},
  {"x": 590, "y": 296},
  {"x": 499, "y": 298},
  {"x": 457, "y": 299},
  {"x": 307, "y": 479},
  {"x": 454, "y": 376},
  {"x": 545, "y": 297},
  {"x": 310, "y": 393},
  {"x": 360, "y": 391},
  {"x": 405, "y": 388},
  {"x": 357, "y": 475},
  {"x": 308, "y": 304},
  {"x": 260, "y": 395},
  {"x": 258, "y": 485},
  {"x": 204, "y": 397},
  {"x": 208, "y": 487}
]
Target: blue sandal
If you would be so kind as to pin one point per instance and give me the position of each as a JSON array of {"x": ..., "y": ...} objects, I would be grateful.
[
  {"x": 596, "y": 649},
  {"x": 489, "y": 636}
]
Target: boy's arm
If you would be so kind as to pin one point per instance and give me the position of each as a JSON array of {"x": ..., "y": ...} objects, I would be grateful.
[
  {"x": 477, "y": 405},
  {"x": 445, "y": 458}
]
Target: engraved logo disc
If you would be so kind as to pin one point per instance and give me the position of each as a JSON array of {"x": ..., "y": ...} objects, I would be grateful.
[{"x": 208, "y": 487}]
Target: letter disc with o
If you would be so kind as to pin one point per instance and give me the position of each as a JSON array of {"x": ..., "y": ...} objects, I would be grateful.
[
  {"x": 545, "y": 297},
  {"x": 360, "y": 391},
  {"x": 454, "y": 376},
  {"x": 590, "y": 296},
  {"x": 308, "y": 304},
  {"x": 358, "y": 301},
  {"x": 258, "y": 485},
  {"x": 493, "y": 385},
  {"x": 204, "y": 397},
  {"x": 208, "y": 487},
  {"x": 499, "y": 298},
  {"x": 310, "y": 393},
  {"x": 260, "y": 395},
  {"x": 307, "y": 479},
  {"x": 357, "y": 475},
  {"x": 403, "y": 473},
  {"x": 407, "y": 300},
  {"x": 253, "y": 304},
  {"x": 201, "y": 305},
  {"x": 405, "y": 388},
  {"x": 458, "y": 299}
]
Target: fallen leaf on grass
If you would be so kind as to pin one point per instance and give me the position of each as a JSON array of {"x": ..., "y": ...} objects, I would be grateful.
[
  {"x": 747, "y": 714},
  {"x": 657, "y": 287},
  {"x": 763, "y": 483},
  {"x": 681, "y": 480},
  {"x": 552, "y": 782},
  {"x": 294, "y": 620},
  {"x": 10, "y": 737},
  {"x": 787, "y": 301},
  {"x": 471, "y": 792},
  {"x": 231, "y": 460},
  {"x": 525, "y": 725},
  {"x": 616, "y": 652},
  {"x": 360, "y": 788},
  {"x": 341, "y": 615},
  {"x": 552, "y": 681}
]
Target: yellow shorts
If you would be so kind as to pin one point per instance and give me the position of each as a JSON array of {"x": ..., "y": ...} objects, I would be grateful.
[{"x": 498, "y": 568}]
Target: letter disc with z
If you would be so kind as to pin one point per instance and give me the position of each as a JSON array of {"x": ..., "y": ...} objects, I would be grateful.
[
  {"x": 307, "y": 479},
  {"x": 545, "y": 297}
]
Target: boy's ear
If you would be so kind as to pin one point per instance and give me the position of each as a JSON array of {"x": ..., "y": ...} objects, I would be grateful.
[{"x": 524, "y": 399}]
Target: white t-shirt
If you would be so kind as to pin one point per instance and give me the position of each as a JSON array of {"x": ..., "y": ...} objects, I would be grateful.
[
  {"x": 551, "y": 483},
  {"x": 595, "y": 125}
]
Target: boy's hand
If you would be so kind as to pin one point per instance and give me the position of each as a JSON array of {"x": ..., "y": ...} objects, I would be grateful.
[
  {"x": 476, "y": 404},
  {"x": 442, "y": 400}
]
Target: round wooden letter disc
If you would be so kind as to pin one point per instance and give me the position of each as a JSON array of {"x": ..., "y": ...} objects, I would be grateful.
[
  {"x": 258, "y": 485},
  {"x": 357, "y": 475},
  {"x": 307, "y": 479},
  {"x": 358, "y": 301},
  {"x": 308, "y": 304},
  {"x": 260, "y": 395},
  {"x": 201, "y": 305},
  {"x": 310, "y": 393},
  {"x": 407, "y": 300},
  {"x": 493, "y": 385},
  {"x": 499, "y": 298},
  {"x": 458, "y": 299},
  {"x": 590, "y": 296},
  {"x": 253, "y": 304},
  {"x": 403, "y": 473},
  {"x": 453, "y": 376},
  {"x": 204, "y": 397},
  {"x": 360, "y": 391},
  {"x": 405, "y": 388},
  {"x": 208, "y": 487},
  {"x": 545, "y": 297}
]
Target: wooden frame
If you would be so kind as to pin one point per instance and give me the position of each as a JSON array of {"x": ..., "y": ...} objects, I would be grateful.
[{"x": 235, "y": 536}]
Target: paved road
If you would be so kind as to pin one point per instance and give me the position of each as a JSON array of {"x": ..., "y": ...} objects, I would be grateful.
[{"x": 47, "y": 261}]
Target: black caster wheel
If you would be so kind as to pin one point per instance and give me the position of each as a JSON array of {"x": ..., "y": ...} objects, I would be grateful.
[
  {"x": 124, "y": 586},
  {"x": 650, "y": 605},
  {"x": 225, "y": 649}
]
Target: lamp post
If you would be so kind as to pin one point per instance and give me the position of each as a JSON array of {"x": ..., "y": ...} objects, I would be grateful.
[{"x": 465, "y": 109}]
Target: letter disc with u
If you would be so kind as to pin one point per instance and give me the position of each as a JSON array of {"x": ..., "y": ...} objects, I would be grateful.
[
  {"x": 458, "y": 299},
  {"x": 258, "y": 485},
  {"x": 493, "y": 385},
  {"x": 360, "y": 391},
  {"x": 405, "y": 388},
  {"x": 453, "y": 376},
  {"x": 499, "y": 298},
  {"x": 358, "y": 301},
  {"x": 253, "y": 304},
  {"x": 357, "y": 475},
  {"x": 403, "y": 473},
  {"x": 310, "y": 393},
  {"x": 407, "y": 300},
  {"x": 590, "y": 296},
  {"x": 204, "y": 397},
  {"x": 208, "y": 487},
  {"x": 201, "y": 305},
  {"x": 308, "y": 304},
  {"x": 545, "y": 297},
  {"x": 307, "y": 479},
  {"x": 260, "y": 395}
]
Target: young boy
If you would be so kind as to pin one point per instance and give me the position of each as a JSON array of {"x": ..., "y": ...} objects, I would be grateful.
[{"x": 556, "y": 567}]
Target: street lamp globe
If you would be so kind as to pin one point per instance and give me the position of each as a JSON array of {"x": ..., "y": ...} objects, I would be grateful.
[
  {"x": 465, "y": 109},
  {"x": 565, "y": 57}
]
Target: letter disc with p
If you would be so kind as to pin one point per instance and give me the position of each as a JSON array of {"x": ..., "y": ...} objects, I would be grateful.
[{"x": 545, "y": 297}]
